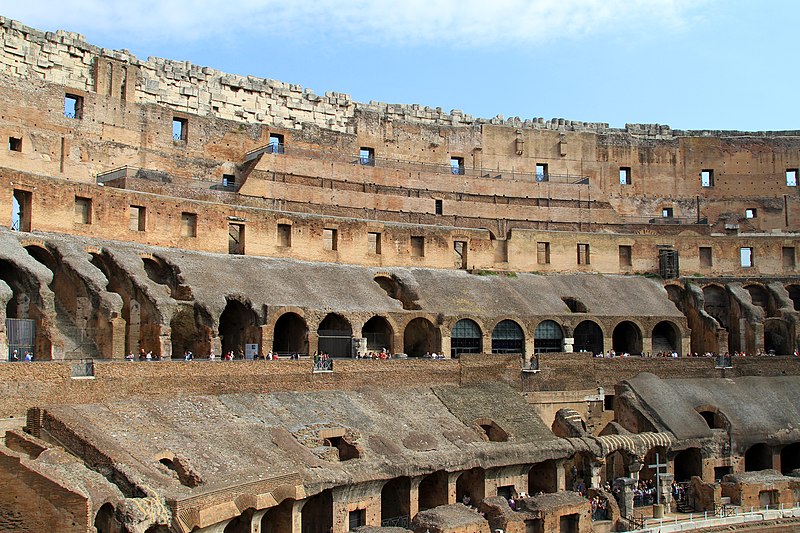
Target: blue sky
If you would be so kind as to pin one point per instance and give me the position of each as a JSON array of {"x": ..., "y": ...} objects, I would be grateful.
[{"x": 691, "y": 64}]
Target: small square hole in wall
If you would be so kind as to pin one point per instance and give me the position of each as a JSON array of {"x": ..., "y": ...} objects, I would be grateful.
[
  {"x": 751, "y": 213},
  {"x": 15, "y": 144}
]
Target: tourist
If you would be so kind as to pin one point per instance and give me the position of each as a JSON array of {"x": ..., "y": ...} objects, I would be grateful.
[
  {"x": 28, "y": 356},
  {"x": 14, "y": 356}
]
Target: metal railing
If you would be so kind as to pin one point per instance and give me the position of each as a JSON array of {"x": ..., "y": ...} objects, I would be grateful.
[
  {"x": 397, "y": 521},
  {"x": 723, "y": 361},
  {"x": 323, "y": 365},
  {"x": 83, "y": 368}
]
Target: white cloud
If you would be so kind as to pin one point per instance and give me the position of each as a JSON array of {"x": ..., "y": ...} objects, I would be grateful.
[{"x": 462, "y": 23}]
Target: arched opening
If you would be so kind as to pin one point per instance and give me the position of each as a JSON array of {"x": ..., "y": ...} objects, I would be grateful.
[
  {"x": 491, "y": 430},
  {"x": 240, "y": 524},
  {"x": 507, "y": 337},
  {"x": 578, "y": 472},
  {"x": 433, "y": 490},
  {"x": 335, "y": 336},
  {"x": 757, "y": 457},
  {"x": 420, "y": 337},
  {"x": 616, "y": 466},
  {"x": 588, "y": 337},
  {"x": 575, "y": 305},
  {"x": 543, "y": 477},
  {"x": 760, "y": 298},
  {"x": 472, "y": 485},
  {"x": 317, "y": 513},
  {"x": 24, "y": 314},
  {"x": 396, "y": 502},
  {"x": 776, "y": 337},
  {"x": 345, "y": 449},
  {"x": 188, "y": 333},
  {"x": 466, "y": 337},
  {"x": 548, "y": 337},
  {"x": 290, "y": 336},
  {"x": 790, "y": 458},
  {"x": 717, "y": 304},
  {"x": 688, "y": 463},
  {"x": 657, "y": 455},
  {"x": 279, "y": 518},
  {"x": 105, "y": 520},
  {"x": 379, "y": 334},
  {"x": 238, "y": 325},
  {"x": 666, "y": 338},
  {"x": 627, "y": 338},
  {"x": 794, "y": 294}
]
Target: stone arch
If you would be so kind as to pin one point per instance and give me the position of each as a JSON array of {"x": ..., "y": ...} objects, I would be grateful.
[
  {"x": 105, "y": 520},
  {"x": 421, "y": 336},
  {"x": 465, "y": 337},
  {"x": 777, "y": 339},
  {"x": 648, "y": 473},
  {"x": 491, "y": 430},
  {"x": 543, "y": 477},
  {"x": 627, "y": 338},
  {"x": 433, "y": 490},
  {"x": 379, "y": 334},
  {"x": 164, "y": 273},
  {"x": 26, "y": 303},
  {"x": 666, "y": 337},
  {"x": 317, "y": 513},
  {"x": 716, "y": 302},
  {"x": 190, "y": 330},
  {"x": 238, "y": 325},
  {"x": 548, "y": 337},
  {"x": 241, "y": 523},
  {"x": 471, "y": 483},
  {"x": 396, "y": 289},
  {"x": 508, "y": 337},
  {"x": 278, "y": 518},
  {"x": 714, "y": 418},
  {"x": 335, "y": 336},
  {"x": 396, "y": 500},
  {"x": 758, "y": 457},
  {"x": 290, "y": 334},
  {"x": 588, "y": 337},
  {"x": 794, "y": 295},
  {"x": 688, "y": 463},
  {"x": 790, "y": 458},
  {"x": 761, "y": 297}
]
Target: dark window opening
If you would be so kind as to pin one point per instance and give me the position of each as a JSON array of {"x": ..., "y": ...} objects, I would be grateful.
[
  {"x": 751, "y": 212},
  {"x": 788, "y": 255},
  {"x": 541, "y": 172},
  {"x": 548, "y": 337},
  {"x": 366, "y": 156},
  {"x": 180, "y": 127},
  {"x": 707, "y": 178},
  {"x": 667, "y": 212},
  {"x": 15, "y": 144},
  {"x": 285, "y": 235},
  {"x": 374, "y": 242},
  {"x": 493, "y": 432},
  {"x": 575, "y": 305},
  {"x": 708, "y": 416},
  {"x": 346, "y": 450},
  {"x": 438, "y": 207},
  {"x": 543, "y": 253},
  {"x": 625, "y": 256},
  {"x": 457, "y": 165},
  {"x": 608, "y": 402},
  {"x": 73, "y": 106},
  {"x": 721, "y": 471},
  {"x": 188, "y": 225},
  {"x": 357, "y": 518},
  {"x": 228, "y": 180},
  {"x": 466, "y": 337},
  {"x": 329, "y": 239},
  {"x": 138, "y": 218},
  {"x": 624, "y": 175},
  {"x": 418, "y": 246},
  {"x": 506, "y": 491},
  {"x": 508, "y": 337},
  {"x": 706, "y": 258},
  {"x": 276, "y": 144}
]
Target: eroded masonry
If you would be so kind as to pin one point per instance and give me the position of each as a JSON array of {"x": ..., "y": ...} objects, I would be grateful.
[{"x": 174, "y": 211}]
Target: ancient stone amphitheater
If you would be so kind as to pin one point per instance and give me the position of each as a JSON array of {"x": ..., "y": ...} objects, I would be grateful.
[{"x": 508, "y": 309}]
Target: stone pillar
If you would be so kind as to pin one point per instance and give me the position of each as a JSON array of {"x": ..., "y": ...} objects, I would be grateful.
[
  {"x": 647, "y": 345},
  {"x": 569, "y": 343},
  {"x": 297, "y": 516},
  {"x": 561, "y": 476},
  {"x": 313, "y": 342},
  {"x": 596, "y": 469},
  {"x": 255, "y": 521},
  {"x": 266, "y": 340},
  {"x": 625, "y": 486},
  {"x": 116, "y": 348},
  {"x": 452, "y": 480},
  {"x": 634, "y": 467},
  {"x": 445, "y": 348},
  {"x": 665, "y": 488},
  {"x": 413, "y": 496}
]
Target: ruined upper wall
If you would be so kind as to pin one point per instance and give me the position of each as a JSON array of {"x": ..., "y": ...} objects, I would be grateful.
[{"x": 65, "y": 58}]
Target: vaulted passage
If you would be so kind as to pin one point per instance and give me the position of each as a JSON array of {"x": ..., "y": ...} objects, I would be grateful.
[
  {"x": 466, "y": 337},
  {"x": 279, "y": 518},
  {"x": 548, "y": 337},
  {"x": 543, "y": 477},
  {"x": 420, "y": 337},
  {"x": 433, "y": 490},
  {"x": 757, "y": 457},
  {"x": 507, "y": 337},
  {"x": 777, "y": 339},
  {"x": 378, "y": 333},
  {"x": 335, "y": 336},
  {"x": 191, "y": 331},
  {"x": 318, "y": 513},
  {"x": 396, "y": 502},
  {"x": 588, "y": 337},
  {"x": 627, "y": 338},
  {"x": 238, "y": 325},
  {"x": 688, "y": 463},
  {"x": 790, "y": 458},
  {"x": 23, "y": 314},
  {"x": 290, "y": 335},
  {"x": 716, "y": 303},
  {"x": 666, "y": 338},
  {"x": 472, "y": 484}
]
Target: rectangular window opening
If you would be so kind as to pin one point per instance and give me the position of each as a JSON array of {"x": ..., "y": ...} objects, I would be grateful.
[
  {"x": 180, "y": 129},
  {"x": 236, "y": 239},
  {"x": 228, "y": 180},
  {"x": 276, "y": 144},
  {"x": 667, "y": 212},
  {"x": 460, "y": 251},
  {"x": 625, "y": 256},
  {"x": 791, "y": 177},
  {"x": 138, "y": 218},
  {"x": 751, "y": 213},
  {"x": 541, "y": 172},
  {"x": 457, "y": 165},
  {"x": 788, "y": 254},
  {"x": 329, "y": 238},
  {"x": 624, "y": 175},
  {"x": 417, "y": 246},
  {"x": 707, "y": 177},
  {"x": 746, "y": 257},
  {"x": 73, "y": 106},
  {"x": 21, "y": 210},
  {"x": 374, "y": 242},
  {"x": 357, "y": 518},
  {"x": 15, "y": 144},
  {"x": 706, "y": 259},
  {"x": 285, "y": 235},
  {"x": 188, "y": 224},
  {"x": 543, "y": 253},
  {"x": 83, "y": 210},
  {"x": 438, "y": 207},
  {"x": 583, "y": 254},
  {"x": 366, "y": 156}
]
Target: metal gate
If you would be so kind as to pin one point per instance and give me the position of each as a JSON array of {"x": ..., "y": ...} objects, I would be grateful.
[
  {"x": 21, "y": 336},
  {"x": 668, "y": 267},
  {"x": 335, "y": 343}
]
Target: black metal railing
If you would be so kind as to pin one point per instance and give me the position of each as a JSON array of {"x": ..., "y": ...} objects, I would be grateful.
[
  {"x": 323, "y": 365},
  {"x": 83, "y": 368},
  {"x": 397, "y": 521},
  {"x": 723, "y": 361}
]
